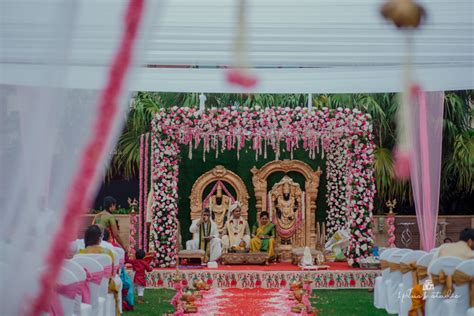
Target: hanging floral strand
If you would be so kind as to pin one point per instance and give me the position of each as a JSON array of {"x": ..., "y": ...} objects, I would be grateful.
[
  {"x": 240, "y": 75},
  {"x": 406, "y": 15}
]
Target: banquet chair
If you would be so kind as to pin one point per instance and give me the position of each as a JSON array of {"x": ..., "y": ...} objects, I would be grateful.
[
  {"x": 459, "y": 302},
  {"x": 393, "y": 280},
  {"x": 408, "y": 269},
  {"x": 80, "y": 308},
  {"x": 99, "y": 286},
  {"x": 437, "y": 269},
  {"x": 118, "y": 280},
  {"x": 110, "y": 301},
  {"x": 379, "y": 287},
  {"x": 65, "y": 300},
  {"x": 423, "y": 263},
  {"x": 121, "y": 257}
]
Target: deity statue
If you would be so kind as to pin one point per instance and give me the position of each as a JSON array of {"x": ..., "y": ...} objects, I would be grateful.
[
  {"x": 287, "y": 198},
  {"x": 219, "y": 206}
]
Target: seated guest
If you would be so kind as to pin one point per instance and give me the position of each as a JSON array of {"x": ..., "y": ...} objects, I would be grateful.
[
  {"x": 92, "y": 241},
  {"x": 263, "y": 236},
  {"x": 462, "y": 249},
  {"x": 236, "y": 232},
  {"x": 105, "y": 237},
  {"x": 205, "y": 236}
]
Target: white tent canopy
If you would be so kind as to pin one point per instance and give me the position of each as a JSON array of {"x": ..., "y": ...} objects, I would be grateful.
[{"x": 303, "y": 46}]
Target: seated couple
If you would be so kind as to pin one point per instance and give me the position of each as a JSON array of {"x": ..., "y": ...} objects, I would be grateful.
[{"x": 235, "y": 235}]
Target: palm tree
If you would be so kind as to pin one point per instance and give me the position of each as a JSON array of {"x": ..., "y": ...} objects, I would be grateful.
[{"x": 458, "y": 141}]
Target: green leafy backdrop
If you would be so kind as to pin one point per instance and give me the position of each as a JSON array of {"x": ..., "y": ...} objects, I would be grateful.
[{"x": 190, "y": 170}]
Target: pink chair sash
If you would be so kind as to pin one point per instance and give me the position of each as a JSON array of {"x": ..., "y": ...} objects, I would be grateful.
[
  {"x": 70, "y": 291},
  {"x": 95, "y": 277},
  {"x": 108, "y": 271}
]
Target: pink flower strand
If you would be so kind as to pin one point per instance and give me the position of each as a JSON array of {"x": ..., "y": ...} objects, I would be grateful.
[
  {"x": 241, "y": 78},
  {"x": 78, "y": 194}
]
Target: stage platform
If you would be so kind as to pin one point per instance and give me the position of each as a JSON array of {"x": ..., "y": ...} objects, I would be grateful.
[{"x": 272, "y": 276}]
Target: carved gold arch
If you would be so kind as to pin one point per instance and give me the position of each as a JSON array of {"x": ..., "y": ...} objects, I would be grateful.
[
  {"x": 259, "y": 180},
  {"x": 216, "y": 174}
]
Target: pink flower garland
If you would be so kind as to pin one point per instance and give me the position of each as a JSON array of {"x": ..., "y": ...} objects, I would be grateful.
[
  {"x": 214, "y": 189},
  {"x": 145, "y": 238},
  {"x": 141, "y": 194},
  {"x": 391, "y": 230},
  {"x": 79, "y": 191},
  {"x": 133, "y": 232},
  {"x": 288, "y": 232}
]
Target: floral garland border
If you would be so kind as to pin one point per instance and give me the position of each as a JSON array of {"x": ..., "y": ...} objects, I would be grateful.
[
  {"x": 145, "y": 213},
  {"x": 350, "y": 161}
]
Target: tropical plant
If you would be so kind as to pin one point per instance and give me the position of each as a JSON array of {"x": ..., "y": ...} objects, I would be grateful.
[{"x": 458, "y": 141}]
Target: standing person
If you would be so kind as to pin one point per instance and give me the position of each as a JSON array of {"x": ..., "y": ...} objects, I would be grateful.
[
  {"x": 108, "y": 221},
  {"x": 140, "y": 266},
  {"x": 205, "y": 236},
  {"x": 92, "y": 240}
]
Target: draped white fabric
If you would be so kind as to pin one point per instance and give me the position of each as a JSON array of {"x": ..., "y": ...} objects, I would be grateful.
[
  {"x": 298, "y": 46},
  {"x": 44, "y": 128}
]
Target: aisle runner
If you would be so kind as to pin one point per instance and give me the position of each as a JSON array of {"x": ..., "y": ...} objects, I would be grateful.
[{"x": 245, "y": 302}]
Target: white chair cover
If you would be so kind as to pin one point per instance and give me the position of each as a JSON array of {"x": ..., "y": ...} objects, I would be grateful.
[
  {"x": 118, "y": 280},
  {"x": 394, "y": 278},
  {"x": 433, "y": 300},
  {"x": 407, "y": 281},
  {"x": 458, "y": 303},
  {"x": 92, "y": 265},
  {"x": 121, "y": 256},
  {"x": 110, "y": 300},
  {"x": 67, "y": 277},
  {"x": 80, "y": 274},
  {"x": 379, "y": 288}
]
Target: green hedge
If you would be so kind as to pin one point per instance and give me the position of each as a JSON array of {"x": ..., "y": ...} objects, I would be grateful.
[{"x": 190, "y": 170}]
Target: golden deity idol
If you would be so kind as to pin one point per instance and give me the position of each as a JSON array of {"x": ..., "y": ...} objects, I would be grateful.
[{"x": 219, "y": 206}]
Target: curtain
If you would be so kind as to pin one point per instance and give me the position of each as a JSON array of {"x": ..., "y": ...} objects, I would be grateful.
[
  {"x": 426, "y": 139},
  {"x": 56, "y": 138}
]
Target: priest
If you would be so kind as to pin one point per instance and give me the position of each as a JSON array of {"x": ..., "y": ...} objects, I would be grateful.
[
  {"x": 205, "y": 236},
  {"x": 236, "y": 232}
]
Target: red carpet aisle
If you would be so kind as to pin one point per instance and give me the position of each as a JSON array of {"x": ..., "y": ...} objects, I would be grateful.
[{"x": 248, "y": 302}]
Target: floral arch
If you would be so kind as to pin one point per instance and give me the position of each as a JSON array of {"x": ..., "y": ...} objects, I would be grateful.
[{"x": 344, "y": 136}]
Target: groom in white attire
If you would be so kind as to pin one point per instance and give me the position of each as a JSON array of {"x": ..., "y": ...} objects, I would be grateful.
[
  {"x": 205, "y": 236},
  {"x": 236, "y": 232}
]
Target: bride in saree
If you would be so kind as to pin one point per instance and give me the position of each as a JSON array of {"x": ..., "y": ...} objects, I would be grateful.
[{"x": 263, "y": 236}]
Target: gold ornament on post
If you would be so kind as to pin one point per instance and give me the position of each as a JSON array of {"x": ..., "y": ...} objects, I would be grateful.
[{"x": 391, "y": 205}]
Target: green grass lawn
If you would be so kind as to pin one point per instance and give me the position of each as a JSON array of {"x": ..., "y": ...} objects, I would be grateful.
[
  {"x": 328, "y": 302},
  {"x": 345, "y": 302},
  {"x": 156, "y": 302}
]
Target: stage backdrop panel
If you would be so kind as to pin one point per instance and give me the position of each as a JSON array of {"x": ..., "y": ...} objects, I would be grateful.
[{"x": 191, "y": 169}]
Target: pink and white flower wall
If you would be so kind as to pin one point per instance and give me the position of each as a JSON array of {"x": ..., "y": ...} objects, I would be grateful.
[{"x": 344, "y": 136}]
